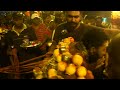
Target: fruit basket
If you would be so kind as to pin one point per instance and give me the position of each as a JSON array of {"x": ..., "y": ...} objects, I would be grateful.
[{"x": 67, "y": 62}]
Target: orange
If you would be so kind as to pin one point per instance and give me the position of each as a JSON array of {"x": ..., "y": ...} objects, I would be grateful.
[
  {"x": 56, "y": 52},
  {"x": 81, "y": 71},
  {"x": 36, "y": 70},
  {"x": 70, "y": 69},
  {"x": 89, "y": 75},
  {"x": 67, "y": 53},
  {"x": 58, "y": 46},
  {"x": 39, "y": 77},
  {"x": 66, "y": 40},
  {"x": 52, "y": 72},
  {"x": 62, "y": 44},
  {"x": 81, "y": 78},
  {"x": 62, "y": 66},
  {"x": 59, "y": 58},
  {"x": 77, "y": 59}
]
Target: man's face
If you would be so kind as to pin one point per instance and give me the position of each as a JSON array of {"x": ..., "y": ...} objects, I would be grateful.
[
  {"x": 73, "y": 18},
  {"x": 36, "y": 21},
  {"x": 102, "y": 49},
  {"x": 48, "y": 19},
  {"x": 98, "y": 53},
  {"x": 18, "y": 22}
]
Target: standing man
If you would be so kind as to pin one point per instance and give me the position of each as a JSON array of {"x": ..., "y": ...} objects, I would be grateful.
[{"x": 71, "y": 28}]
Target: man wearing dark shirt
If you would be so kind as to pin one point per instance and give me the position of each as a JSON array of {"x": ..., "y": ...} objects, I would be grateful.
[
  {"x": 14, "y": 38},
  {"x": 71, "y": 28}
]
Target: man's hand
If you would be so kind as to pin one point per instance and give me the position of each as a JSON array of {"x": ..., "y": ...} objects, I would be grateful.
[
  {"x": 100, "y": 62},
  {"x": 14, "y": 51}
]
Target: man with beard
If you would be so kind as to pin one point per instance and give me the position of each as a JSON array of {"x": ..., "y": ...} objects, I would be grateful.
[
  {"x": 96, "y": 42},
  {"x": 71, "y": 28}
]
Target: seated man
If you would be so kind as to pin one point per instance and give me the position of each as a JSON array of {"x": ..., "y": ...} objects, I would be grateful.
[{"x": 96, "y": 42}]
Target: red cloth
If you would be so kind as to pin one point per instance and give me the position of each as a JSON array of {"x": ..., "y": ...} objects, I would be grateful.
[{"x": 43, "y": 33}]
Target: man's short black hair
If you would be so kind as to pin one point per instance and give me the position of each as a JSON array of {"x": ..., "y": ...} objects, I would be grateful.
[
  {"x": 94, "y": 38},
  {"x": 17, "y": 15},
  {"x": 81, "y": 12}
]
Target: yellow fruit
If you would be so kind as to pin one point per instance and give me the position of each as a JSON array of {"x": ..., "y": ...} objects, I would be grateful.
[
  {"x": 56, "y": 52},
  {"x": 61, "y": 44},
  {"x": 59, "y": 58},
  {"x": 81, "y": 71},
  {"x": 40, "y": 72},
  {"x": 67, "y": 40},
  {"x": 67, "y": 54},
  {"x": 62, "y": 66},
  {"x": 70, "y": 69},
  {"x": 67, "y": 46},
  {"x": 77, "y": 59},
  {"x": 81, "y": 78},
  {"x": 39, "y": 77},
  {"x": 36, "y": 71},
  {"x": 57, "y": 46},
  {"x": 1, "y": 30},
  {"x": 51, "y": 73}
]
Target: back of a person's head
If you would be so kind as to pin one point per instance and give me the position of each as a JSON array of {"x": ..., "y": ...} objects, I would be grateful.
[
  {"x": 114, "y": 46},
  {"x": 94, "y": 38},
  {"x": 114, "y": 58}
]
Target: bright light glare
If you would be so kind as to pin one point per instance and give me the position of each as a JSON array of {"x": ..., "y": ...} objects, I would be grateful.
[{"x": 115, "y": 14}]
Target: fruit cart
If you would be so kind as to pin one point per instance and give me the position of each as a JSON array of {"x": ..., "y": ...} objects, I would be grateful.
[{"x": 67, "y": 62}]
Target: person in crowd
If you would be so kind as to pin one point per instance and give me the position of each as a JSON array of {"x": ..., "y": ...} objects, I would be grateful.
[
  {"x": 42, "y": 34},
  {"x": 98, "y": 22},
  {"x": 59, "y": 18},
  {"x": 96, "y": 43},
  {"x": 113, "y": 70},
  {"x": 15, "y": 38},
  {"x": 46, "y": 19},
  {"x": 37, "y": 14},
  {"x": 4, "y": 59},
  {"x": 90, "y": 20},
  {"x": 71, "y": 28},
  {"x": 8, "y": 21}
]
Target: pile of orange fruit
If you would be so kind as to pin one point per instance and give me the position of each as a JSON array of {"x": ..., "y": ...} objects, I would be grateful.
[{"x": 67, "y": 65}]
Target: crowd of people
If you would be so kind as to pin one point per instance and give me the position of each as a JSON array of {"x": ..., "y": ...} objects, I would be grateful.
[{"x": 102, "y": 51}]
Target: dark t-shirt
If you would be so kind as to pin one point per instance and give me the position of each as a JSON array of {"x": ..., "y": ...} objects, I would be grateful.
[
  {"x": 62, "y": 32},
  {"x": 12, "y": 39}
]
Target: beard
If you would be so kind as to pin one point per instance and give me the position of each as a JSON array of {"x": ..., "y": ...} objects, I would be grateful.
[
  {"x": 72, "y": 25},
  {"x": 92, "y": 58}
]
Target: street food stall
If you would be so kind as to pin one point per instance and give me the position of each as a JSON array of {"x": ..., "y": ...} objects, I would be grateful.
[{"x": 66, "y": 62}]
